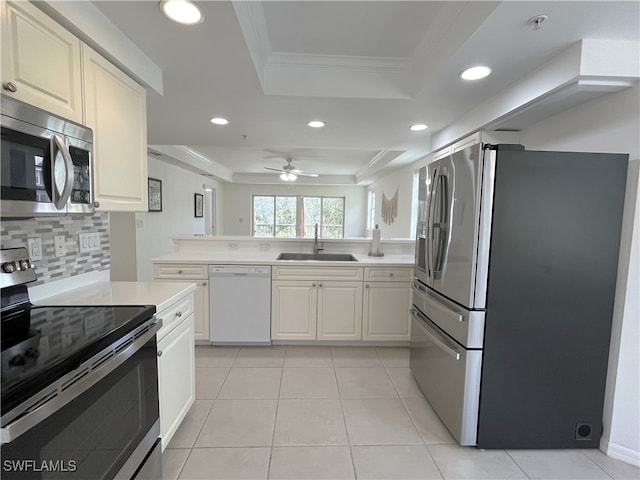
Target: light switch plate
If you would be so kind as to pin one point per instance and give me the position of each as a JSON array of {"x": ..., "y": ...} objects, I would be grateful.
[{"x": 88, "y": 242}]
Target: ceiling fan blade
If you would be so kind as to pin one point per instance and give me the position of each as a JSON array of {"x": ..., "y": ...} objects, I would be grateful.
[
  {"x": 275, "y": 169},
  {"x": 306, "y": 174}
]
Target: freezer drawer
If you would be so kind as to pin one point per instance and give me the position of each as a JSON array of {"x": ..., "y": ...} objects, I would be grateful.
[
  {"x": 464, "y": 326},
  {"x": 448, "y": 375}
]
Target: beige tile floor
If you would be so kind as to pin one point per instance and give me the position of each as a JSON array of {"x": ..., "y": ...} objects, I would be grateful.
[{"x": 338, "y": 413}]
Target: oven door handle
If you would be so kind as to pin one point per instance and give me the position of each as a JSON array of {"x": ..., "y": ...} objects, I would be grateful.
[{"x": 64, "y": 390}]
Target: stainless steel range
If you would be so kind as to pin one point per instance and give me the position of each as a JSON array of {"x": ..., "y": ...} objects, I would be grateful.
[{"x": 79, "y": 386}]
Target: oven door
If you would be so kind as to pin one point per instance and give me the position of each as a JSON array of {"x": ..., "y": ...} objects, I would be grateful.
[
  {"x": 448, "y": 375},
  {"x": 106, "y": 432}
]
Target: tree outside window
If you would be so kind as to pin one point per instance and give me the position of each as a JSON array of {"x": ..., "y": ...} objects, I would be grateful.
[{"x": 278, "y": 216}]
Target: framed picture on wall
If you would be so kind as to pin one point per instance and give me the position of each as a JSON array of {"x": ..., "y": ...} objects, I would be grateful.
[
  {"x": 155, "y": 195},
  {"x": 197, "y": 202}
]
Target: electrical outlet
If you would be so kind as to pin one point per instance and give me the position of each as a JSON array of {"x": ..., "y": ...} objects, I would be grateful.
[
  {"x": 60, "y": 245},
  {"x": 139, "y": 223},
  {"x": 265, "y": 246},
  {"x": 34, "y": 247},
  {"x": 233, "y": 246}
]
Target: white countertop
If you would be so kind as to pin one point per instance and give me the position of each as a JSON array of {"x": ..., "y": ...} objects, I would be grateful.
[
  {"x": 222, "y": 257},
  {"x": 160, "y": 294}
]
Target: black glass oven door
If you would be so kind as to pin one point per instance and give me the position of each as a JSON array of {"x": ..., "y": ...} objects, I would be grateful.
[{"x": 94, "y": 435}]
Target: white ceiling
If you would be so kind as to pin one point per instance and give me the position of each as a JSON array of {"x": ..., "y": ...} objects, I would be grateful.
[{"x": 369, "y": 69}]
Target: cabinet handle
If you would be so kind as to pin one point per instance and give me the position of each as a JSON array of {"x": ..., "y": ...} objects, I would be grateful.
[
  {"x": 313, "y": 284},
  {"x": 159, "y": 353},
  {"x": 179, "y": 271},
  {"x": 391, "y": 274},
  {"x": 203, "y": 284},
  {"x": 96, "y": 204},
  {"x": 366, "y": 285},
  {"x": 10, "y": 87},
  {"x": 178, "y": 314}
]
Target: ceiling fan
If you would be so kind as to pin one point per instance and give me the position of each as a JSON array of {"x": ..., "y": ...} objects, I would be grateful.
[{"x": 289, "y": 173}]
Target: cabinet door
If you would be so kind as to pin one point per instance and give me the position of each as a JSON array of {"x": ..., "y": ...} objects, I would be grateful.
[
  {"x": 293, "y": 310},
  {"x": 116, "y": 110},
  {"x": 200, "y": 305},
  {"x": 386, "y": 311},
  {"x": 201, "y": 331},
  {"x": 339, "y": 310},
  {"x": 42, "y": 60},
  {"x": 176, "y": 378}
]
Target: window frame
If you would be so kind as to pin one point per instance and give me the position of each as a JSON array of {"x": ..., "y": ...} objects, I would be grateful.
[{"x": 300, "y": 225}]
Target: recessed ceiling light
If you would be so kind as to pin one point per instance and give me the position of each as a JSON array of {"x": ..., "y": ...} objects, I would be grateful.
[
  {"x": 476, "y": 73},
  {"x": 316, "y": 124},
  {"x": 182, "y": 11},
  {"x": 219, "y": 121},
  {"x": 418, "y": 127}
]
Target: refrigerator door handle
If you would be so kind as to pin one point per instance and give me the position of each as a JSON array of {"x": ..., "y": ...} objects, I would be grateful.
[
  {"x": 434, "y": 336},
  {"x": 442, "y": 224},
  {"x": 430, "y": 229}
]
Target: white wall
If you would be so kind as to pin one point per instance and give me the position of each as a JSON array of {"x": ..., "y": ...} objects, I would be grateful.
[
  {"x": 154, "y": 229},
  {"x": 237, "y": 203},
  {"x": 611, "y": 123},
  {"x": 401, "y": 179}
]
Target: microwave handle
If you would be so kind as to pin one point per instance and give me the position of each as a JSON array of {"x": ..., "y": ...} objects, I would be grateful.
[{"x": 62, "y": 200}]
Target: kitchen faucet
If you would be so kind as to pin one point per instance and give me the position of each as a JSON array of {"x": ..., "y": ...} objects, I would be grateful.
[{"x": 316, "y": 248}]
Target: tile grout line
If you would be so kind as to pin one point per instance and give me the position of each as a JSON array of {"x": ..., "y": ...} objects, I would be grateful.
[
  {"x": 275, "y": 417},
  {"x": 344, "y": 419}
]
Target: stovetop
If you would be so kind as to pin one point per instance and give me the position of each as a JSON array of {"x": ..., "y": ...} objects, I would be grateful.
[{"x": 41, "y": 344}]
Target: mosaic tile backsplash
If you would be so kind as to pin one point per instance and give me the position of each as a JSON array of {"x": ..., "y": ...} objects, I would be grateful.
[{"x": 14, "y": 233}]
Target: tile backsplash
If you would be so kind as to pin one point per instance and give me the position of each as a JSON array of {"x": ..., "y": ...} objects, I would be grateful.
[{"x": 15, "y": 232}]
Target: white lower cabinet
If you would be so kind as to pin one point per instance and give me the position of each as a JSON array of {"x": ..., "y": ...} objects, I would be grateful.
[
  {"x": 339, "y": 311},
  {"x": 199, "y": 275},
  {"x": 386, "y": 311},
  {"x": 294, "y": 310},
  {"x": 316, "y": 310},
  {"x": 176, "y": 366},
  {"x": 316, "y": 303}
]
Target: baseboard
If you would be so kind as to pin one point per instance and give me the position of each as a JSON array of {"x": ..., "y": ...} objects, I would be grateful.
[{"x": 621, "y": 453}]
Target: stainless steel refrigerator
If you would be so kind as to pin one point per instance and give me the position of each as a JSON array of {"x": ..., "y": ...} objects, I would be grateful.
[{"x": 516, "y": 266}]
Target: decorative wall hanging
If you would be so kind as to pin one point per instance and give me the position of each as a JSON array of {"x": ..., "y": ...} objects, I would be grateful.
[
  {"x": 389, "y": 208},
  {"x": 155, "y": 195},
  {"x": 198, "y": 201}
]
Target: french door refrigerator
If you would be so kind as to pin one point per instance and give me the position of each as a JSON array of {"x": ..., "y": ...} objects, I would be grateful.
[{"x": 513, "y": 303}]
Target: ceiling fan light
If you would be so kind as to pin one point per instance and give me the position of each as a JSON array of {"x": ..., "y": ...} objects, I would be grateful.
[
  {"x": 316, "y": 124},
  {"x": 288, "y": 177},
  {"x": 476, "y": 73},
  {"x": 182, "y": 11}
]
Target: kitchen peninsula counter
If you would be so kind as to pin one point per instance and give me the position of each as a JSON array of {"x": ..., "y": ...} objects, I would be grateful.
[{"x": 221, "y": 257}]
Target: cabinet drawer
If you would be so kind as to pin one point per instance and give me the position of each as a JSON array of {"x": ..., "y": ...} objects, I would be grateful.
[
  {"x": 388, "y": 274},
  {"x": 168, "y": 270},
  {"x": 317, "y": 273},
  {"x": 174, "y": 313}
]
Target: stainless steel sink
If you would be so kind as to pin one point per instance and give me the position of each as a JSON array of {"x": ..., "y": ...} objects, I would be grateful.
[{"x": 327, "y": 257}]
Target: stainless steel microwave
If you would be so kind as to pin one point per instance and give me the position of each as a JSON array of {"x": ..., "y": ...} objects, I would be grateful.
[{"x": 46, "y": 163}]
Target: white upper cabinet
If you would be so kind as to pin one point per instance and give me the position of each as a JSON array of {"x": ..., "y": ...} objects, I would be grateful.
[
  {"x": 116, "y": 110},
  {"x": 40, "y": 61}
]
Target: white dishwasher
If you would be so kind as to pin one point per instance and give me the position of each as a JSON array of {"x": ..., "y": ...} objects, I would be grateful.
[{"x": 240, "y": 304}]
